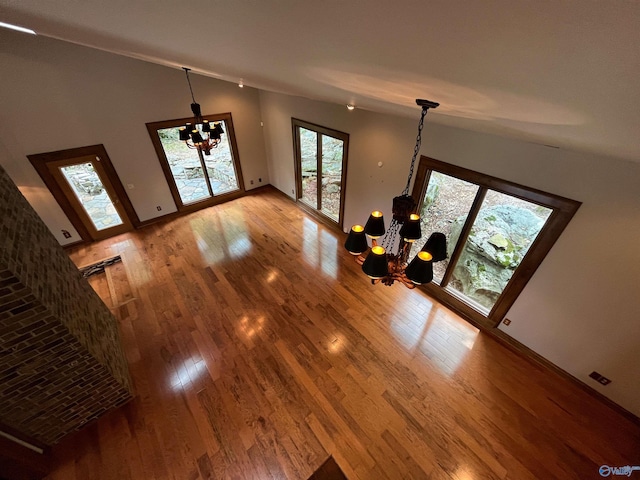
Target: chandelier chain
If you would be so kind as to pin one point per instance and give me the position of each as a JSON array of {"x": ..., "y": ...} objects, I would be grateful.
[
  {"x": 390, "y": 237},
  {"x": 382, "y": 266},
  {"x": 416, "y": 150},
  {"x": 186, "y": 71}
]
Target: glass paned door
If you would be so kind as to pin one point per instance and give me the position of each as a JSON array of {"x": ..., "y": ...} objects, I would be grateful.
[
  {"x": 332, "y": 153},
  {"x": 90, "y": 193},
  {"x": 445, "y": 207},
  {"x": 498, "y": 232},
  {"x": 199, "y": 176},
  {"x": 500, "y": 237},
  {"x": 309, "y": 167},
  {"x": 186, "y": 167},
  {"x": 198, "y": 180},
  {"x": 491, "y": 248},
  {"x": 321, "y": 159},
  {"x": 221, "y": 169}
]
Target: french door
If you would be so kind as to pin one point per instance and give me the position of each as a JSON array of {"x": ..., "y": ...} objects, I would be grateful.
[
  {"x": 497, "y": 233},
  {"x": 197, "y": 179},
  {"x": 320, "y": 165},
  {"x": 86, "y": 186}
]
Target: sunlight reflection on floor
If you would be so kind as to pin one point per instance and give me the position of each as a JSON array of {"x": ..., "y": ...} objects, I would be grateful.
[
  {"x": 221, "y": 238},
  {"x": 250, "y": 327},
  {"x": 337, "y": 343},
  {"x": 443, "y": 341},
  {"x": 320, "y": 248},
  {"x": 185, "y": 375}
]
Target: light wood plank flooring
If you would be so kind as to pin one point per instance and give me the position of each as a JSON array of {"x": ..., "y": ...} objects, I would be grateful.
[{"x": 257, "y": 348}]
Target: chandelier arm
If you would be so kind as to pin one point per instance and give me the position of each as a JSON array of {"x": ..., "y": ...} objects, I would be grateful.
[{"x": 406, "y": 282}]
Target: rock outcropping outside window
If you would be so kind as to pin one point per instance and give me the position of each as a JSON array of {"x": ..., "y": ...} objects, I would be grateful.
[{"x": 498, "y": 241}]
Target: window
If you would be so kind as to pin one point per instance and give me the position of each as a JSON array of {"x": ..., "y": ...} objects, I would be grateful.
[
  {"x": 320, "y": 165},
  {"x": 497, "y": 233},
  {"x": 197, "y": 180}
]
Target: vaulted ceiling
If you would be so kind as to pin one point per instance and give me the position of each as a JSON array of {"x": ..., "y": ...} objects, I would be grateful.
[{"x": 557, "y": 72}]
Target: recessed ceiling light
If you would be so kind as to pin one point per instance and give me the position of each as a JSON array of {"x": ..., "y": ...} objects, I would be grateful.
[
  {"x": 241, "y": 84},
  {"x": 16, "y": 27},
  {"x": 350, "y": 106}
]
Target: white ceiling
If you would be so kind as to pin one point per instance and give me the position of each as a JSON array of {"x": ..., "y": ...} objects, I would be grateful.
[{"x": 558, "y": 72}]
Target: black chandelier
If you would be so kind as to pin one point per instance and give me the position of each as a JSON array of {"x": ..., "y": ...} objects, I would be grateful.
[
  {"x": 200, "y": 134},
  {"x": 381, "y": 266}
]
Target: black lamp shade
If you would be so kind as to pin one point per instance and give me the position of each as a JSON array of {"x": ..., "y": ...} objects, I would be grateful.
[
  {"x": 196, "y": 137},
  {"x": 437, "y": 246},
  {"x": 420, "y": 270},
  {"x": 356, "y": 242},
  {"x": 375, "y": 265},
  {"x": 375, "y": 225},
  {"x": 410, "y": 230},
  {"x": 206, "y": 127},
  {"x": 184, "y": 134},
  {"x": 216, "y": 131}
]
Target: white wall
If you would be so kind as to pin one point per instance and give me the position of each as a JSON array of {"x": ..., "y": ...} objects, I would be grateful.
[
  {"x": 57, "y": 95},
  {"x": 581, "y": 310}
]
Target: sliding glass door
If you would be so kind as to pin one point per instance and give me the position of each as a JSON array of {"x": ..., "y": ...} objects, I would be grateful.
[
  {"x": 321, "y": 163},
  {"x": 497, "y": 235},
  {"x": 502, "y": 233},
  {"x": 195, "y": 178}
]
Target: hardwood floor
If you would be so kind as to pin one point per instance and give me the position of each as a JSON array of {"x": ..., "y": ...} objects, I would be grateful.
[{"x": 257, "y": 348}]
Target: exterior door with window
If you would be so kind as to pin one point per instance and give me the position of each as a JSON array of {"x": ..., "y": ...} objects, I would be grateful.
[
  {"x": 320, "y": 165},
  {"x": 85, "y": 184}
]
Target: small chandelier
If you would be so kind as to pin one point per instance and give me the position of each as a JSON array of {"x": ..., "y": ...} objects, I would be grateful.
[
  {"x": 382, "y": 266},
  {"x": 200, "y": 134}
]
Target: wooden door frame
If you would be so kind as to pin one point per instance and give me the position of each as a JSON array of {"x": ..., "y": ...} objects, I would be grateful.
[
  {"x": 153, "y": 127},
  {"x": 563, "y": 210},
  {"x": 40, "y": 161},
  {"x": 297, "y": 161}
]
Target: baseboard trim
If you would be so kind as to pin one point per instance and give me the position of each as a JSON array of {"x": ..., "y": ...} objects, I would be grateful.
[
  {"x": 74, "y": 244},
  {"x": 537, "y": 359},
  {"x": 307, "y": 210},
  {"x": 161, "y": 218}
]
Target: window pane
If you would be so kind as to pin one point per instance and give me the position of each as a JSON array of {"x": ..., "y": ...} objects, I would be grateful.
[
  {"x": 446, "y": 202},
  {"x": 500, "y": 237},
  {"x": 309, "y": 169},
  {"x": 332, "y": 150},
  {"x": 185, "y": 166},
  {"x": 93, "y": 197},
  {"x": 220, "y": 167}
]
